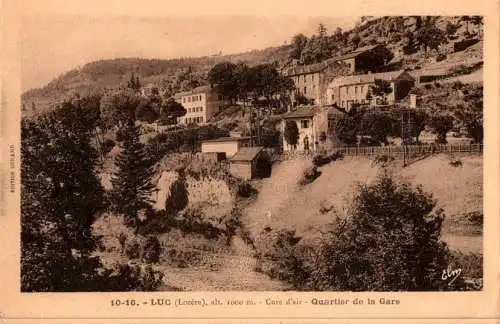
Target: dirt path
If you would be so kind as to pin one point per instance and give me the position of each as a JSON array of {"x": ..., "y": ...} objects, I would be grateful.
[
  {"x": 274, "y": 194},
  {"x": 235, "y": 273}
]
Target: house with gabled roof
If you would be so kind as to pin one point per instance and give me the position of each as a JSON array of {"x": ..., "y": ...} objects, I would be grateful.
[
  {"x": 311, "y": 80},
  {"x": 345, "y": 91},
  {"x": 313, "y": 124}
]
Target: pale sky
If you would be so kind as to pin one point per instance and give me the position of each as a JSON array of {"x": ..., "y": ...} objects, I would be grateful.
[{"x": 51, "y": 44}]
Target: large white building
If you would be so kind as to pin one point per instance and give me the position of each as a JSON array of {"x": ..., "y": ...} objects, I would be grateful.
[{"x": 201, "y": 104}]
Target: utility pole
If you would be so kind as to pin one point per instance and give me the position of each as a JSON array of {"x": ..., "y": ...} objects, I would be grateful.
[
  {"x": 251, "y": 126},
  {"x": 403, "y": 137}
]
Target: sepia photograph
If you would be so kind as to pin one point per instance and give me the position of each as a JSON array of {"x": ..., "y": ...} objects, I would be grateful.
[{"x": 246, "y": 153}]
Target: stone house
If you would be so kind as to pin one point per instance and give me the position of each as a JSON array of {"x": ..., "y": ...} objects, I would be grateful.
[
  {"x": 313, "y": 123},
  {"x": 348, "y": 90},
  {"x": 311, "y": 81}
]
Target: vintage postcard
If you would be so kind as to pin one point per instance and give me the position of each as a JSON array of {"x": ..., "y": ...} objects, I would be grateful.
[{"x": 225, "y": 161}]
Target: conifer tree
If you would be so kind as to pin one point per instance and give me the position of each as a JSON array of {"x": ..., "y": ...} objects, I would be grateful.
[{"x": 132, "y": 183}]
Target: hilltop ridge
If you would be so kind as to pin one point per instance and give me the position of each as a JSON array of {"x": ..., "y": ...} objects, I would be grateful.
[{"x": 393, "y": 32}]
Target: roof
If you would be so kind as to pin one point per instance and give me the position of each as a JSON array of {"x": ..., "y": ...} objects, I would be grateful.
[
  {"x": 200, "y": 89},
  {"x": 247, "y": 153},
  {"x": 310, "y": 111},
  {"x": 302, "y": 111},
  {"x": 227, "y": 139},
  {"x": 318, "y": 67},
  {"x": 369, "y": 78}
]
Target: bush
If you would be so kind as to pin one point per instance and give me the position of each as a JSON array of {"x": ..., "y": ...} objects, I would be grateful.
[
  {"x": 130, "y": 278},
  {"x": 152, "y": 250},
  {"x": 178, "y": 198},
  {"x": 454, "y": 162},
  {"x": 382, "y": 160},
  {"x": 278, "y": 256},
  {"x": 389, "y": 242},
  {"x": 309, "y": 175},
  {"x": 133, "y": 250},
  {"x": 320, "y": 160},
  {"x": 245, "y": 190}
]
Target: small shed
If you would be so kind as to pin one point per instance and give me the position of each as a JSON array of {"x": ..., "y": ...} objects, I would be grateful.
[
  {"x": 227, "y": 145},
  {"x": 244, "y": 164}
]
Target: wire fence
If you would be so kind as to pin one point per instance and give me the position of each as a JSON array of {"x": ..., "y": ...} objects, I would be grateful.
[
  {"x": 397, "y": 151},
  {"x": 411, "y": 150}
]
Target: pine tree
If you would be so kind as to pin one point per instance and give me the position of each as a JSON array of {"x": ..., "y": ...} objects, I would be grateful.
[{"x": 132, "y": 183}]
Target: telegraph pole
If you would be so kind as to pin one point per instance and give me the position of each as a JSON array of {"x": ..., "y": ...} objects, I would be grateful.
[{"x": 403, "y": 137}]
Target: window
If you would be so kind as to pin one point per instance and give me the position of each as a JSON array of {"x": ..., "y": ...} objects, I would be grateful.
[
  {"x": 305, "y": 90},
  {"x": 201, "y": 108},
  {"x": 219, "y": 97},
  {"x": 333, "y": 97},
  {"x": 304, "y": 123},
  {"x": 356, "y": 89}
]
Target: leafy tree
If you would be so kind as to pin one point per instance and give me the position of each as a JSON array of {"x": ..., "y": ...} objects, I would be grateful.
[
  {"x": 291, "y": 133},
  {"x": 355, "y": 39},
  {"x": 345, "y": 130},
  {"x": 134, "y": 83},
  {"x": 246, "y": 81},
  {"x": 132, "y": 183},
  {"x": 171, "y": 110},
  {"x": 60, "y": 198},
  {"x": 147, "y": 110},
  {"x": 377, "y": 125},
  {"x": 440, "y": 125},
  {"x": 223, "y": 75},
  {"x": 431, "y": 37},
  {"x": 381, "y": 89},
  {"x": 118, "y": 107},
  {"x": 299, "y": 42},
  {"x": 388, "y": 242},
  {"x": 470, "y": 116},
  {"x": 451, "y": 28}
]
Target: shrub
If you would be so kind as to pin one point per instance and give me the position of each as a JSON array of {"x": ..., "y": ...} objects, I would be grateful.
[
  {"x": 389, "y": 242},
  {"x": 278, "y": 256},
  {"x": 178, "y": 198},
  {"x": 133, "y": 250},
  {"x": 125, "y": 277},
  {"x": 455, "y": 162},
  {"x": 382, "y": 160},
  {"x": 152, "y": 250},
  {"x": 320, "y": 160},
  {"x": 475, "y": 217},
  {"x": 309, "y": 175},
  {"x": 245, "y": 190}
]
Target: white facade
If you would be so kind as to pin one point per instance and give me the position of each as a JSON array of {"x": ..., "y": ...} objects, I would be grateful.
[
  {"x": 227, "y": 145},
  {"x": 200, "y": 103}
]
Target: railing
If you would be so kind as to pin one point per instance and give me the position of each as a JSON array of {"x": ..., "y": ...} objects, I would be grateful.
[
  {"x": 411, "y": 150},
  {"x": 397, "y": 151}
]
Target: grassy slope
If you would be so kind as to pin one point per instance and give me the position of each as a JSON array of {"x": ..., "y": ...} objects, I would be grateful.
[{"x": 283, "y": 204}]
